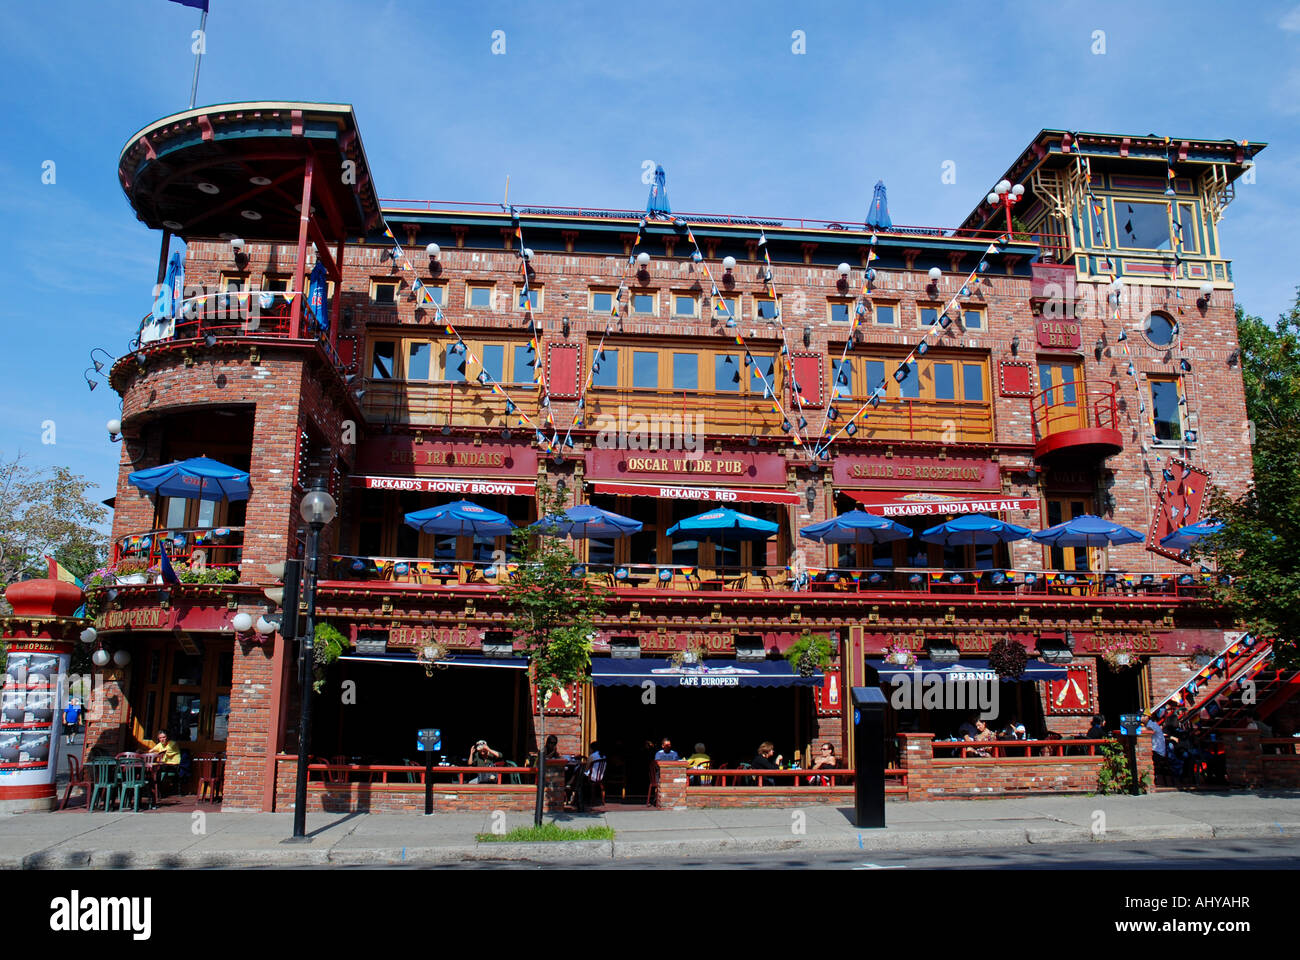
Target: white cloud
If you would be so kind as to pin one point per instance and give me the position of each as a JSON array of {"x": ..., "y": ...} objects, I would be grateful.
[{"x": 1291, "y": 22}]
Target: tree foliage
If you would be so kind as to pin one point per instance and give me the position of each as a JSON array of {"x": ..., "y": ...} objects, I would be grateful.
[{"x": 46, "y": 512}]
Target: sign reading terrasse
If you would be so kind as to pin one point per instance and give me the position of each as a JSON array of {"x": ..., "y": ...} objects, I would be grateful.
[
  {"x": 402, "y": 455},
  {"x": 881, "y": 471}
]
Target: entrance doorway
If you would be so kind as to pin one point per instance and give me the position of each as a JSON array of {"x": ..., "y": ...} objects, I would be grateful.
[
  {"x": 1120, "y": 691},
  {"x": 185, "y": 693}
]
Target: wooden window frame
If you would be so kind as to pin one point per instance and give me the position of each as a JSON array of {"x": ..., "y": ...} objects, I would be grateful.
[
  {"x": 375, "y": 284},
  {"x": 897, "y": 307},
  {"x": 471, "y": 286},
  {"x": 690, "y": 295},
  {"x": 631, "y": 303},
  {"x": 532, "y": 288}
]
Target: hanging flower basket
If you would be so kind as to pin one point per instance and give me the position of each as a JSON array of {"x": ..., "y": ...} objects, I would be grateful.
[
  {"x": 1118, "y": 660},
  {"x": 900, "y": 655},
  {"x": 1008, "y": 659}
]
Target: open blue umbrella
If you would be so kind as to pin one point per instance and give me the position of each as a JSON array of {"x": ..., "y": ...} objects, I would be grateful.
[
  {"x": 462, "y": 519},
  {"x": 656, "y": 204},
  {"x": 199, "y": 478},
  {"x": 723, "y": 524},
  {"x": 856, "y": 526},
  {"x": 585, "y": 522},
  {"x": 1086, "y": 530},
  {"x": 878, "y": 215},
  {"x": 169, "y": 297},
  {"x": 318, "y": 295},
  {"x": 974, "y": 528},
  {"x": 1188, "y": 536}
]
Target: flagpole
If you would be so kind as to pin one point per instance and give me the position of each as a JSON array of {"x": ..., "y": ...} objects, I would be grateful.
[{"x": 198, "y": 57}]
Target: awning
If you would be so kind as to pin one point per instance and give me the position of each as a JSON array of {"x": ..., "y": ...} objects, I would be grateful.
[
  {"x": 510, "y": 488},
  {"x": 454, "y": 660},
  {"x": 666, "y": 491},
  {"x": 964, "y": 670},
  {"x": 617, "y": 672},
  {"x": 899, "y": 504}
]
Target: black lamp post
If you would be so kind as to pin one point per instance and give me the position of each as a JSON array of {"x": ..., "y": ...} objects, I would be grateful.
[{"x": 317, "y": 509}]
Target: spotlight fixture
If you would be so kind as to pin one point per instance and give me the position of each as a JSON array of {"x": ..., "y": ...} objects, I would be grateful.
[
  {"x": 807, "y": 336},
  {"x": 1015, "y": 345},
  {"x": 1099, "y": 347},
  {"x": 564, "y": 326},
  {"x": 90, "y": 382},
  {"x": 1234, "y": 356}
]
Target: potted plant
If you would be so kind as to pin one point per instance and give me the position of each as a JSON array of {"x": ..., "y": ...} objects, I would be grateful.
[
  {"x": 130, "y": 572},
  {"x": 1117, "y": 659},
  {"x": 692, "y": 654},
  {"x": 810, "y": 653},
  {"x": 900, "y": 655},
  {"x": 328, "y": 645},
  {"x": 1200, "y": 656},
  {"x": 1008, "y": 657}
]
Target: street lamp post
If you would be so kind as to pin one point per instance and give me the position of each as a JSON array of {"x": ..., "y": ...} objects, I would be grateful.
[
  {"x": 317, "y": 509},
  {"x": 1007, "y": 195}
]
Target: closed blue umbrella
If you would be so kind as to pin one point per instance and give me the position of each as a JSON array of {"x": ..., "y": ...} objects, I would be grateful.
[
  {"x": 1086, "y": 530},
  {"x": 585, "y": 522},
  {"x": 318, "y": 295},
  {"x": 1188, "y": 536},
  {"x": 462, "y": 519},
  {"x": 199, "y": 478},
  {"x": 656, "y": 204},
  {"x": 878, "y": 215},
  {"x": 856, "y": 526},
  {"x": 723, "y": 524},
  {"x": 974, "y": 528},
  {"x": 169, "y": 297}
]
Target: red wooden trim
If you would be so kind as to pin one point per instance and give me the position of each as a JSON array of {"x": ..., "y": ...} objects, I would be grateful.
[
  {"x": 300, "y": 261},
  {"x": 808, "y": 370},
  {"x": 668, "y": 491}
]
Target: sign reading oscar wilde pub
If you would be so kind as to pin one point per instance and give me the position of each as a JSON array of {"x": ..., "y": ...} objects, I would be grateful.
[{"x": 685, "y": 475}]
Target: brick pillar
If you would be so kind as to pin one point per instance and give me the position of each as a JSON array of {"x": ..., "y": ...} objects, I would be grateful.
[
  {"x": 916, "y": 758},
  {"x": 250, "y": 718},
  {"x": 1244, "y": 757},
  {"x": 1146, "y": 766},
  {"x": 555, "y": 786},
  {"x": 672, "y": 785}
]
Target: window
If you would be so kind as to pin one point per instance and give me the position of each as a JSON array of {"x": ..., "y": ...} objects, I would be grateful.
[
  {"x": 763, "y": 368},
  {"x": 492, "y": 360},
  {"x": 724, "y": 307},
  {"x": 231, "y": 284},
  {"x": 1159, "y": 328},
  {"x": 275, "y": 284},
  {"x": 479, "y": 295},
  {"x": 645, "y": 368},
  {"x": 532, "y": 299},
  {"x": 909, "y": 387},
  {"x": 1189, "y": 226},
  {"x": 419, "y": 356},
  {"x": 383, "y": 291},
  {"x": 973, "y": 319},
  {"x": 841, "y": 311},
  {"x": 686, "y": 371},
  {"x": 1142, "y": 225},
  {"x": 643, "y": 304},
  {"x": 454, "y": 360},
  {"x": 607, "y": 373},
  {"x": 726, "y": 373},
  {"x": 684, "y": 305},
  {"x": 437, "y": 292},
  {"x": 929, "y": 315},
  {"x": 875, "y": 378},
  {"x": 382, "y": 360},
  {"x": 764, "y": 308},
  {"x": 602, "y": 301},
  {"x": 945, "y": 388},
  {"x": 885, "y": 314},
  {"x": 842, "y": 378},
  {"x": 1166, "y": 409},
  {"x": 523, "y": 366},
  {"x": 973, "y": 382}
]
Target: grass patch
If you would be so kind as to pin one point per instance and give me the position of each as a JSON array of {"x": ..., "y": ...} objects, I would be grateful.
[{"x": 548, "y": 832}]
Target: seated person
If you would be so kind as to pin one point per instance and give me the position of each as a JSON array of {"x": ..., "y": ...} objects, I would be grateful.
[
  {"x": 589, "y": 772},
  {"x": 666, "y": 751},
  {"x": 967, "y": 730},
  {"x": 982, "y": 733},
  {"x": 165, "y": 749},
  {"x": 697, "y": 761},
  {"x": 767, "y": 759},
  {"x": 552, "y": 749},
  {"x": 825, "y": 760},
  {"x": 1097, "y": 729},
  {"x": 484, "y": 756}
]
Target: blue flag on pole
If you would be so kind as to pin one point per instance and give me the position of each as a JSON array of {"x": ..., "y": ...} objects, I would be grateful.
[
  {"x": 196, "y": 4},
  {"x": 165, "y": 565}
]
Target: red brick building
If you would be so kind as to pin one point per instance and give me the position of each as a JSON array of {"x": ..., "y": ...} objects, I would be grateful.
[{"x": 658, "y": 367}]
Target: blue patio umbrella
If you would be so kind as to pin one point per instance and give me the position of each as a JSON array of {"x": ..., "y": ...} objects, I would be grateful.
[
  {"x": 318, "y": 295},
  {"x": 1086, "y": 530},
  {"x": 878, "y": 215},
  {"x": 856, "y": 526},
  {"x": 974, "y": 528},
  {"x": 462, "y": 519},
  {"x": 656, "y": 204},
  {"x": 723, "y": 524},
  {"x": 167, "y": 305},
  {"x": 585, "y": 521},
  {"x": 1187, "y": 536},
  {"x": 199, "y": 478}
]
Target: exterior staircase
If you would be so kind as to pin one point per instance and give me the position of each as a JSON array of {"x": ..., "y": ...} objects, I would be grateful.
[{"x": 1216, "y": 696}]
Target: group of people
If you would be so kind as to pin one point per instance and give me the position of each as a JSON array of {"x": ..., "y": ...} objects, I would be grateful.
[{"x": 766, "y": 758}]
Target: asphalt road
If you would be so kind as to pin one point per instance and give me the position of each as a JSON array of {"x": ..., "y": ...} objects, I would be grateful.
[{"x": 1281, "y": 854}]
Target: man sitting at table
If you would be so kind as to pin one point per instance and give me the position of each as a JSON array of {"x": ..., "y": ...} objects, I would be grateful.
[
  {"x": 484, "y": 756},
  {"x": 699, "y": 760},
  {"x": 167, "y": 751}
]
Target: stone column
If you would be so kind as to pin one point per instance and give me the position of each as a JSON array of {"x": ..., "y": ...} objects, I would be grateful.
[{"x": 916, "y": 758}]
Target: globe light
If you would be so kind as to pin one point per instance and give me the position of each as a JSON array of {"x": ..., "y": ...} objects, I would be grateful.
[
  {"x": 89, "y": 634},
  {"x": 114, "y": 427},
  {"x": 935, "y": 274},
  {"x": 1018, "y": 190},
  {"x": 266, "y": 627},
  {"x": 729, "y": 263},
  {"x": 317, "y": 507},
  {"x": 242, "y": 622},
  {"x": 843, "y": 269},
  {"x": 528, "y": 253},
  {"x": 643, "y": 259},
  {"x": 122, "y": 657},
  {"x": 1003, "y": 186},
  {"x": 433, "y": 250},
  {"x": 1207, "y": 289},
  {"x": 100, "y": 658},
  {"x": 993, "y": 199}
]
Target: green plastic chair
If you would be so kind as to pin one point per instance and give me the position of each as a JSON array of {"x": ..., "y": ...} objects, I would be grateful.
[
  {"x": 514, "y": 778},
  {"x": 103, "y": 775},
  {"x": 133, "y": 779}
]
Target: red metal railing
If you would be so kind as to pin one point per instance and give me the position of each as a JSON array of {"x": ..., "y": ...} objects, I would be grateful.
[
  {"x": 410, "y": 775},
  {"x": 227, "y": 315},
  {"x": 220, "y": 547},
  {"x": 1011, "y": 749},
  {"x": 1059, "y": 408}
]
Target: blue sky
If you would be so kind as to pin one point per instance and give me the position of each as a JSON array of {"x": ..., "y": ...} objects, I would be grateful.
[{"x": 584, "y": 94}]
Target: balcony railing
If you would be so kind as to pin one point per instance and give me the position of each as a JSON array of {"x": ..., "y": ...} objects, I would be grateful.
[
  {"x": 1002, "y": 749},
  {"x": 1072, "y": 415},
  {"x": 435, "y": 403},
  {"x": 947, "y": 421},
  {"x": 215, "y": 547},
  {"x": 251, "y": 315}
]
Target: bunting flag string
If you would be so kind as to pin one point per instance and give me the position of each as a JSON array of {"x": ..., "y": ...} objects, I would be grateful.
[
  {"x": 923, "y": 345},
  {"x": 859, "y": 314}
]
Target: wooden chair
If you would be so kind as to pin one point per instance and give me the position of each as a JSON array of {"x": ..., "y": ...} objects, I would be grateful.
[{"x": 78, "y": 776}]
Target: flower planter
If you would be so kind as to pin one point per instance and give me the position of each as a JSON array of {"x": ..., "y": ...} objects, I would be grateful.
[{"x": 132, "y": 579}]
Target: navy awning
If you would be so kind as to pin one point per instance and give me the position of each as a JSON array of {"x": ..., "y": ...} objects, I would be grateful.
[
  {"x": 455, "y": 660},
  {"x": 965, "y": 670},
  {"x": 619, "y": 672}
]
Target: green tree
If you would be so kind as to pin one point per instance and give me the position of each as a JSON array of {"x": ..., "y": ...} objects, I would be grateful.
[
  {"x": 552, "y": 614},
  {"x": 1257, "y": 546}
]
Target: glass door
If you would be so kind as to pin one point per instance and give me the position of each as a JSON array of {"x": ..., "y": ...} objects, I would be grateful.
[
  {"x": 1060, "y": 510},
  {"x": 186, "y": 694},
  {"x": 1060, "y": 384}
]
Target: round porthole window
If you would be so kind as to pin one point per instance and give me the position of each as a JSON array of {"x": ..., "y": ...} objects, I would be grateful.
[{"x": 1159, "y": 328}]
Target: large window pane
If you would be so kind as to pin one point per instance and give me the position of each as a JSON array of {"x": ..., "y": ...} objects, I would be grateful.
[
  {"x": 686, "y": 371},
  {"x": 929, "y": 316},
  {"x": 910, "y": 387},
  {"x": 1165, "y": 411},
  {"x": 973, "y": 382},
  {"x": 875, "y": 378},
  {"x": 523, "y": 371},
  {"x": 382, "y": 366},
  {"x": 1188, "y": 220},
  {"x": 453, "y": 363},
  {"x": 645, "y": 368},
  {"x": 494, "y": 359},
  {"x": 760, "y": 370},
  {"x": 842, "y": 377},
  {"x": 886, "y": 314},
  {"x": 726, "y": 373},
  {"x": 1143, "y": 226},
  {"x": 944, "y": 387},
  {"x": 840, "y": 312},
  {"x": 417, "y": 364},
  {"x": 602, "y": 302},
  {"x": 643, "y": 303},
  {"x": 765, "y": 309},
  {"x": 480, "y": 296},
  {"x": 175, "y": 515},
  {"x": 607, "y": 375}
]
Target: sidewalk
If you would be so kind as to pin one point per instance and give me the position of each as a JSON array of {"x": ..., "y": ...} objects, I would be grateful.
[{"x": 99, "y": 840}]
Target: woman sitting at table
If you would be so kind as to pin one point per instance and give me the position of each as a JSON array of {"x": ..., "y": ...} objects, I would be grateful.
[{"x": 825, "y": 761}]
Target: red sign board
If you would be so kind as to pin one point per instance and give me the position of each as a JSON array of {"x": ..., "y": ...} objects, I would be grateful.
[
  {"x": 1073, "y": 695},
  {"x": 910, "y": 472},
  {"x": 401, "y": 455},
  {"x": 509, "y": 488},
  {"x": 936, "y": 504},
  {"x": 1179, "y": 504},
  {"x": 706, "y": 494},
  {"x": 1059, "y": 334},
  {"x": 686, "y": 466}
]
